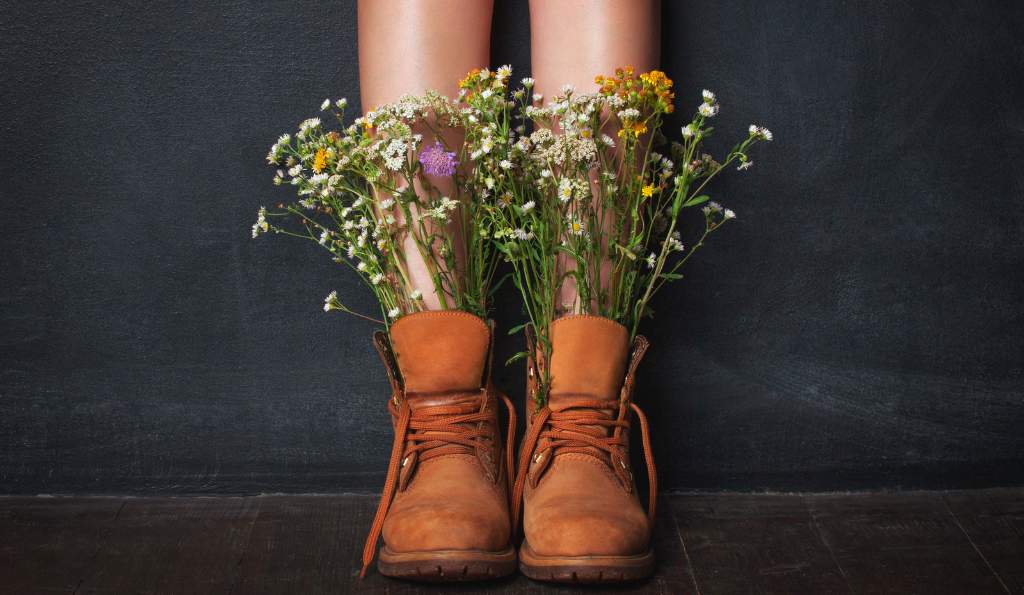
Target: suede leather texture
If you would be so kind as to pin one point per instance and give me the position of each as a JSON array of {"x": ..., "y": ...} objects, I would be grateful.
[
  {"x": 579, "y": 506},
  {"x": 441, "y": 351},
  {"x": 458, "y": 500}
]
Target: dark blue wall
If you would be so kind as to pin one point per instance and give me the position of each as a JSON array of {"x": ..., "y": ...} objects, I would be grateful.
[{"x": 860, "y": 326}]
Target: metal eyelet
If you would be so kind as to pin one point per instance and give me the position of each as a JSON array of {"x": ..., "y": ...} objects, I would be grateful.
[
  {"x": 404, "y": 461},
  {"x": 538, "y": 458}
]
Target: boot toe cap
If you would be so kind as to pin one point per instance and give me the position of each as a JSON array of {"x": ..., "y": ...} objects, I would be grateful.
[
  {"x": 577, "y": 533},
  {"x": 446, "y": 525}
]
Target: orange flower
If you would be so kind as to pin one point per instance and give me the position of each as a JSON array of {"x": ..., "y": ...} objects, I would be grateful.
[{"x": 320, "y": 161}]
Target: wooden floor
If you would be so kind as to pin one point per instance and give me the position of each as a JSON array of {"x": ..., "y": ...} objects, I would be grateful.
[{"x": 918, "y": 542}]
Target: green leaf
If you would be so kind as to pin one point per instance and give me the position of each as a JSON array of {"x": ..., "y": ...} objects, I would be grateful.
[
  {"x": 516, "y": 357},
  {"x": 517, "y": 328},
  {"x": 697, "y": 200},
  {"x": 671, "y": 276}
]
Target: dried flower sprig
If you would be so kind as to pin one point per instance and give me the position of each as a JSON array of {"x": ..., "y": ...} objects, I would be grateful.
[
  {"x": 364, "y": 189},
  {"x": 586, "y": 188}
]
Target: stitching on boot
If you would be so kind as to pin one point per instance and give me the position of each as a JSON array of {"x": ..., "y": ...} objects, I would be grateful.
[{"x": 440, "y": 314}]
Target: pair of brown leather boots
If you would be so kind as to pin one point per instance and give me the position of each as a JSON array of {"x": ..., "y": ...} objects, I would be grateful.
[{"x": 450, "y": 509}]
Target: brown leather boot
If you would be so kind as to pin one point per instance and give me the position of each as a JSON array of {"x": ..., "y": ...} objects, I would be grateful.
[
  {"x": 444, "y": 511},
  {"x": 582, "y": 518}
]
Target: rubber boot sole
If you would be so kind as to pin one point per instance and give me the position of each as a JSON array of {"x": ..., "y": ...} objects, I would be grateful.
[
  {"x": 447, "y": 565},
  {"x": 585, "y": 569}
]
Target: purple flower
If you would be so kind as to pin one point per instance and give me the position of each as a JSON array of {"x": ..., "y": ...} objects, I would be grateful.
[{"x": 438, "y": 162}]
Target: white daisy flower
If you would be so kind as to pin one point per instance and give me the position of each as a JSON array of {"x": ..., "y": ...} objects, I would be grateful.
[
  {"x": 707, "y": 110},
  {"x": 326, "y": 104},
  {"x": 416, "y": 295},
  {"x": 394, "y": 313}
]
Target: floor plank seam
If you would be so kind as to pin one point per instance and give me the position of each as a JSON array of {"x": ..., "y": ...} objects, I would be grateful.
[
  {"x": 686, "y": 554},
  {"x": 974, "y": 545},
  {"x": 245, "y": 548},
  {"x": 824, "y": 542}
]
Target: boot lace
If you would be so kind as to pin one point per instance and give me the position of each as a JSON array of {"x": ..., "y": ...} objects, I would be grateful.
[
  {"x": 430, "y": 432},
  {"x": 581, "y": 428}
]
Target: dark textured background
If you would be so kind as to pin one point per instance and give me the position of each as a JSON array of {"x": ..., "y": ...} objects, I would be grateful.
[{"x": 860, "y": 326}]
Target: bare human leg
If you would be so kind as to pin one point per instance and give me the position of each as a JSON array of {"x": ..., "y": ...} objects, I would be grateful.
[
  {"x": 410, "y": 46},
  {"x": 572, "y": 41}
]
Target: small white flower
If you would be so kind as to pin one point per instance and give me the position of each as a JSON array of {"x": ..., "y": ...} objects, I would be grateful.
[
  {"x": 416, "y": 295},
  {"x": 528, "y": 206},
  {"x": 567, "y": 88},
  {"x": 537, "y": 97},
  {"x": 326, "y": 104},
  {"x": 545, "y": 173},
  {"x": 707, "y": 110},
  {"x": 326, "y": 235},
  {"x": 688, "y": 131},
  {"x": 361, "y": 267},
  {"x": 708, "y": 96},
  {"x": 261, "y": 225},
  {"x": 330, "y": 301},
  {"x": 522, "y": 234},
  {"x": 387, "y": 203},
  {"x": 309, "y": 124},
  {"x": 745, "y": 165},
  {"x": 505, "y": 164},
  {"x": 761, "y": 131},
  {"x": 629, "y": 114},
  {"x": 486, "y": 93},
  {"x": 394, "y": 313},
  {"x": 565, "y": 190},
  {"x": 503, "y": 72},
  {"x": 607, "y": 141},
  {"x": 341, "y": 103},
  {"x": 527, "y": 82},
  {"x": 376, "y": 279},
  {"x": 651, "y": 259},
  {"x": 728, "y": 214}
]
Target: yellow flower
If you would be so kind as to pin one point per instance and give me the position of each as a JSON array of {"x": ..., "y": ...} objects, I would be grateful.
[
  {"x": 639, "y": 129},
  {"x": 320, "y": 161},
  {"x": 648, "y": 190}
]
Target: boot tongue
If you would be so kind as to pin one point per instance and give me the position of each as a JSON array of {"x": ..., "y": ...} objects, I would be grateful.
[
  {"x": 588, "y": 360},
  {"x": 440, "y": 354}
]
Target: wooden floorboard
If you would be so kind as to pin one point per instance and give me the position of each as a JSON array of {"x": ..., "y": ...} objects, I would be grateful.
[{"x": 922, "y": 542}]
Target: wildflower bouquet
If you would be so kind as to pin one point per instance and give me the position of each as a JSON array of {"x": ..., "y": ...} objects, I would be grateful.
[
  {"x": 584, "y": 201},
  {"x": 366, "y": 189}
]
